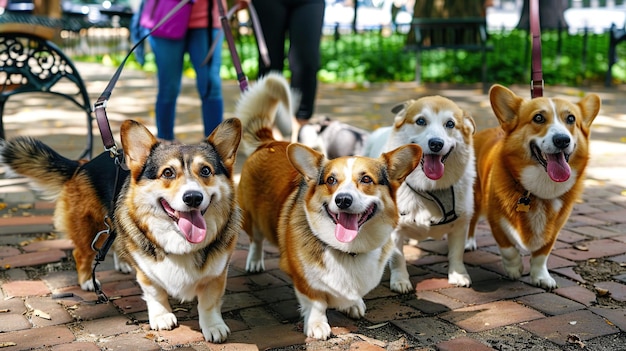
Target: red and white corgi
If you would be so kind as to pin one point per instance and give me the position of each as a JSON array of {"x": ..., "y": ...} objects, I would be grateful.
[
  {"x": 331, "y": 219},
  {"x": 530, "y": 173}
]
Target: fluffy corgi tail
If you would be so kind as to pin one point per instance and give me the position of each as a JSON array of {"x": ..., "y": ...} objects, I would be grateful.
[
  {"x": 257, "y": 109},
  {"x": 47, "y": 169}
]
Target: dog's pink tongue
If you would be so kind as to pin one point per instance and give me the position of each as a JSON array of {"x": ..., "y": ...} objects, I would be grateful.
[
  {"x": 558, "y": 169},
  {"x": 193, "y": 225},
  {"x": 347, "y": 227},
  {"x": 433, "y": 167}
]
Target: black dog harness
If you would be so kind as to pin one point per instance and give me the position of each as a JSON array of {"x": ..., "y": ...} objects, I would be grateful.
[{"x": 444, "y": 199}]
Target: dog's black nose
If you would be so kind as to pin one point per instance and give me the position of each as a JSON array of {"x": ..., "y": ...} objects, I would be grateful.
[
  {"x": 435, "y": 144},
  {"x": 343, "y": 201},
  {"x": 561, "y": 140},
  {"x": 192, "y": 198}
]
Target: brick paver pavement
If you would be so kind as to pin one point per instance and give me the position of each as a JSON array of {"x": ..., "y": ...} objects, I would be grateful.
[{"x": 42, "y": 307}]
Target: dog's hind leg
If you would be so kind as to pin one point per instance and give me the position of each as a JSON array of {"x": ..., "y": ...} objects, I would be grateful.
[
  {"x": 457, "y": 274},
  {"x": 255, "y": 262},
  {"x": 399, "y": 281}
]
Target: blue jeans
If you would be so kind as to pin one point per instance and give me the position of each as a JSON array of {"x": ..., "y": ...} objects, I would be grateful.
[{"x": 169, "y": 56}]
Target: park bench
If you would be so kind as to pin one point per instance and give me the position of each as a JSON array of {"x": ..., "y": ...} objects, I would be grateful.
[
  {"x": 469, "y": 34},
  {"x": 29, "y": 63}
]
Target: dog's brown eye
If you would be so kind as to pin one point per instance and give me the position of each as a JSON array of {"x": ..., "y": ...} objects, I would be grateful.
[
  {"x": 331, "y": 180},
  {"x": 205, "y": 171},
  {"x": 539, "y": 118},
  {"x": 570, "y": 119},
  {"x": 168, "y": 173},
  {"x": 367, "y": 179}
]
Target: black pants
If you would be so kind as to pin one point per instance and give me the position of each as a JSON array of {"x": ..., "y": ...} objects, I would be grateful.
[{"x": 301, "y": 21}]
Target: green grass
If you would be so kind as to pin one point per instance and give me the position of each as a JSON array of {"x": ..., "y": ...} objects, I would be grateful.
[{"x": 371, "y": 57}]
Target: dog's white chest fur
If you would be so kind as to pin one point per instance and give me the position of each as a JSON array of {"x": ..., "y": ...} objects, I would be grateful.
[
  {"x": 349, "y": 277},
  {"x": 180, "y": 274}
]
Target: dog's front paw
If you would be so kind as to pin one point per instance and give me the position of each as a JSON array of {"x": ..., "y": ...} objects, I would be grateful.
[
  {"x": 402, "y": 287},
  {"x": 318, "y": 330},
  {"x": 165, "y": 321},
  {"x": 216, "y": 333},
  {"x": 546, "y": 282},
  {"x": 87, "y": 285},
  {"x": 356, "y": 311},
  {"x": 459, "y": 279}
]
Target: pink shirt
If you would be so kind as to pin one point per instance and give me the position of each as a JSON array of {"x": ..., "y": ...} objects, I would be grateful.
[{"x": 200, "y": 14}]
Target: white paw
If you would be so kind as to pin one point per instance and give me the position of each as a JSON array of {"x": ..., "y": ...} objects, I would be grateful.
[
  {"x": 88, "y": 285},
  {"x": 356, "y": 311},
  {"x": 165, "y": 321},
  {"x": 544, "y": 281},
  {"x": 470, "y": 244},
  {"x": 459, "y": 279},
  {"x": 122, "y": 266},
  {"x": 254, "y": 266},
  {"x": 318, "y": 330},
  {"x": 402, "y": 286},
  {"x": 216, "y": 333},
  {"x": 514, "y": 272},
  {"x": 254, "y": 261}
]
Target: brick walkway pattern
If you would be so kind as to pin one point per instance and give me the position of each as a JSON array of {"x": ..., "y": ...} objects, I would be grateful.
[{"x": 43, "y": 308}]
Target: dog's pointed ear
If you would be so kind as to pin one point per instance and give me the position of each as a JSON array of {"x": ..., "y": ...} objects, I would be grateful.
[
  {"x": 468, "y": 122},
  {"x": 400, "y": 111},
  {"x": 590, "y": 107},
  {"x": 505, "y": 105},
  {"x": 225, "y": 138},
  {"x": 402, "y": 161},
  {"x": 305, "y": 160},
  {"x": 137, "y": 142}
]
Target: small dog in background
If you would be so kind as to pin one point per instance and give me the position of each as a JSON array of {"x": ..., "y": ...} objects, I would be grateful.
[
  {"x": 176, "y": 216},
  {"x": 332, "y": 138},
  {"x": 436, "y": 199},
  {"x": 330, "y": 219},
  {"x": 530, "y": 174}
]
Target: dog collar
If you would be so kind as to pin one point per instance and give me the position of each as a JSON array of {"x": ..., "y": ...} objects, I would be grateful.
[{"x": 444, "y": 199}]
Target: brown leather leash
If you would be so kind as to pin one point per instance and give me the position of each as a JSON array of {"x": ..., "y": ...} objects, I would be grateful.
[
  {"x": 108, "y": 140},
  {"x": 224, "y": 18},
  {"x": 536, "y": 82}
]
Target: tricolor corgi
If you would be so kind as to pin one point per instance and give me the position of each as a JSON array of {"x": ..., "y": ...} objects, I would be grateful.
[
  {"x": 530, "y": 173},
  {"x": 331, "y": 219},
  {"x": 175, "y": 217}
]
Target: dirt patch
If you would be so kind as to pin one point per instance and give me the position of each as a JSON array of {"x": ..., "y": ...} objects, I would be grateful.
[{"x": 601, "y": 270}]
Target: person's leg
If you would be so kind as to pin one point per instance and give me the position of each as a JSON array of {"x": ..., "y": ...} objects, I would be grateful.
[
  {"x": 305, "y": 32},
  {"x": 273, "y": 18},
  {"x": 169, "y": 56},
  {"x": 208, "y": 80}
]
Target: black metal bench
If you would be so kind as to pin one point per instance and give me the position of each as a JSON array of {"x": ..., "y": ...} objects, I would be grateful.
[
  {"x": 30, "y": 63},
  {"x": 469, "y": 34},
  {"x": 616, "y": 35}
]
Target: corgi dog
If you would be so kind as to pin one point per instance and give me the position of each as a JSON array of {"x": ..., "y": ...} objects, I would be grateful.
[
  {"x": 530, "y": 173},
  {"x": 332, "y": 138},
  {"x": 330, "y": 219},
  {"x": 436, "y": 199},
  {"x": 175, "y": 216}
]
